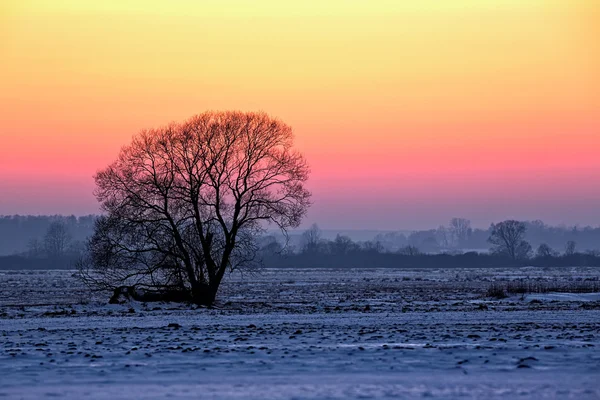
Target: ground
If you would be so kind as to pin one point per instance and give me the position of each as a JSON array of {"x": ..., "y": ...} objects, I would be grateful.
[{"x": 305, "y": 334}]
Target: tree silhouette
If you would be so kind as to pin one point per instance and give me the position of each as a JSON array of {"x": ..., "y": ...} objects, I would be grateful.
[
  {"x": 185, "y": 203},
  {"x": 461, "y": 231},
  {"x": 570, "y": 248},
  {"x": 507, "y": 238},
  {"x": 545, "y": 251},
  {"x": 311, "y": 238},
  {"x": 56, "y": 240}
]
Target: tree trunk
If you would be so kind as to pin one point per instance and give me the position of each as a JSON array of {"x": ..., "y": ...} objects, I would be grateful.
[
  {"x": 131, "y": 293},
  {"x": 203, "y": 294}
]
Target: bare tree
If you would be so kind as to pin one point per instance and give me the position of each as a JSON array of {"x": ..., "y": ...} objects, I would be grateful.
[
  {"x": 410, "y": 251},
  {"x": 343, "y": 245},
  {"x": 269, "y": 246},
  {"x": 56, "y": 239},
  {"x": 186, "y": 202},
  {"x": 443, "y": 236},
  {"x": 570, "y": 248},
  {"x": 545, "y": 251},
  {"x": 311, "y": 239},
  {"x": 424, "y": 240},
  {"x": 35, "y": 248},
  {"x": 372, "y": 246},
  {"x": 508, "y": 238},
  {"x": 460, "y": 229}
]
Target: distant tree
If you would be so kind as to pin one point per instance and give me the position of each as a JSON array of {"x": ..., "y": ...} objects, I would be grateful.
[
  {"x": 570, "y": 248},
  {"x": 409, "y": 251},
  {"x": 311, "y": 238},
  {"x": 460, "y": 229},
  {"x": 269, "y": 246},
  {"x": 342, "y": 245},
  {"x": 507, "y": 238},
  {"x": 372, "y": 246},
  {"x": 443, "y": 236},
  {"x": 57, "y": 239},
  {"x": 35, "y": 248},
  {"x": 545, "y": 251},
  {"x": 424, "y": 240},
  {"x": 186, "y": 202},
  {"x": 391, "y": 240}
]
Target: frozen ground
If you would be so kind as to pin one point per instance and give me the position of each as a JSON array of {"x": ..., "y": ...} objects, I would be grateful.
[{"x": 305, "y": 334}]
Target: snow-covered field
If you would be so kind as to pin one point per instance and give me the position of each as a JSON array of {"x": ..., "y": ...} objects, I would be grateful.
[{"x": 305, "y": 334}]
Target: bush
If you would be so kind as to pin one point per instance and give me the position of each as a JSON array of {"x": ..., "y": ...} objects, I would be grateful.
[
  {"x": 500, "y": 291},
  {"x": 496, "y": 291}
]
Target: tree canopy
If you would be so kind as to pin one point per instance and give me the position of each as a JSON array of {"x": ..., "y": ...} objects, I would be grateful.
[
  {"x": 184, "y": 203},
  {"x": 508, "y": 238}
]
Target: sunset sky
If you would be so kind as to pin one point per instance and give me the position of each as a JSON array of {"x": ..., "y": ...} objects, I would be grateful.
[{"x": 409, "y": 112}]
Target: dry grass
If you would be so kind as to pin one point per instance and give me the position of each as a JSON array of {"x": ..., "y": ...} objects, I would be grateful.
[{"x": 500, "y": 290}]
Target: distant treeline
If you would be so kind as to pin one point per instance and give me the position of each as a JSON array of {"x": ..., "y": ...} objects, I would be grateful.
[
  {"x": 354, "y": 259},
  {"x": 459, "y": 235},
  {"x": 505, "y": 242},
  {"x": 21, "y": 234},
  {"x": 57, "y": 242},
  {"x": 367, "y": 259}
]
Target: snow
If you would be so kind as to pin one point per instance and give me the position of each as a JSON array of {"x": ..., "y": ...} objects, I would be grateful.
[
  {"x": 564, "y": 297},
  {"x": 304, "y": 334}
]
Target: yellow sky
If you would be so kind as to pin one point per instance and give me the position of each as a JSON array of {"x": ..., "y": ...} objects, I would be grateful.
[{"x": 420, "y": 86}]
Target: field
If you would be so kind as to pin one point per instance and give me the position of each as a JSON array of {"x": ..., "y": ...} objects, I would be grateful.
[{"x": 308, "y": 334}]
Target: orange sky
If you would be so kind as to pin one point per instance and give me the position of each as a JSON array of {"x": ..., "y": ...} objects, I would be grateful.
[{"x": 408, "y": 112}]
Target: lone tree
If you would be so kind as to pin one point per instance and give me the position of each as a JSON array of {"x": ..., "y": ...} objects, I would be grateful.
[
  {"x": 570, "y": 248},
  {"x": 311, "y": 238},
  {"x": 186, "y": 202},
  {"x": 545, "y": 251},
  {"x": 56, "y": 239},
  {"x": 508, "y": 238},
  {"x": 461, "y": 231}
]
